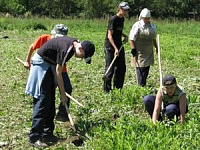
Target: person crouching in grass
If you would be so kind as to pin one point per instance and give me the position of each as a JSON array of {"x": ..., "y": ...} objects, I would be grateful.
[{"x": 173, "y": 98}]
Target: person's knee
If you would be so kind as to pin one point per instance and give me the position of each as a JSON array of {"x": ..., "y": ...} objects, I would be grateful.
[
  {"x": 148, "y": 99},
  {"x": 171, "y": 111},
  {"x": 149, "y": 104}
]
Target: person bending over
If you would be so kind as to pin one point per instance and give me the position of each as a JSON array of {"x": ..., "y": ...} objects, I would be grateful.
[
  {"x": 58, "y": 31},
  {"x": 45, "y": 74}
]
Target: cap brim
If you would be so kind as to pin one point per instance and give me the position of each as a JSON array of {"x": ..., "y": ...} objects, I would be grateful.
[
  {"x": 168, "y": 80},
  {"x": 88, "y": 62},
  {"x": 53, "y": 32},
  {"x": 126, "y": 8}
]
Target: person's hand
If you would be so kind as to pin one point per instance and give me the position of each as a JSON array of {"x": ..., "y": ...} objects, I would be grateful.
[
  {"x": 27, "y": 65},
  {"x": 64, "y": 100},
  {"x": 133, "y": 52},
  {"x": 116, "y": 52}
]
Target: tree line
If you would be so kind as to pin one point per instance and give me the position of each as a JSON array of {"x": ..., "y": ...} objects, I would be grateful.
[{"x": 99, "y": 8}]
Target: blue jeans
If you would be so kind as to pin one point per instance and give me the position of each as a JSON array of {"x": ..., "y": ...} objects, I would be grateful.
[
  {"x": 170, "y": 110},
  {"x": 44, "y": 109},
  {"x": 68, "y": 89}
]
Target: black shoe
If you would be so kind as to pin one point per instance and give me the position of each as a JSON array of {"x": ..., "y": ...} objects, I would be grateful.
[
  {"x": 50, "y": 139},
  {"x": 38, "y": 143},
  {"x": 62, "y": 118}
]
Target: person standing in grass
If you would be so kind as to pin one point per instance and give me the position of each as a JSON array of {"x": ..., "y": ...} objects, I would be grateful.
[
  {"x": 58, "y": 31},
  {"x": 173, "y": 98},
  {"x": 113, "y": 43},
  {"x": 142, "y": 40},
  {"x": 45, "y": 75}
]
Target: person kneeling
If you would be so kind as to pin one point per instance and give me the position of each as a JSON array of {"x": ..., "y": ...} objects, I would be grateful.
[{"x": 173, "y": 98}]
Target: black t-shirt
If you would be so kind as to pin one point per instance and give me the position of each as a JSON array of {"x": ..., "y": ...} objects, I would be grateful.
[
  {"x": 57, "y": 50},
  {"x": 116, "y": 24}
]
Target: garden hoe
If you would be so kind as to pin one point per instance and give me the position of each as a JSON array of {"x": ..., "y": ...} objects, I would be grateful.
[
  {"x": 78, "y": 138},
  {"x": 74, "y": 99},
  {"x": 65, "y": 92},
  {"x": 105, "y": 77},
  {"x": 19, "y": 60},
  {"x": 136, "y": 64},
  {"x": 70, "y": 118},
  {"x": 160, "y": 71}
]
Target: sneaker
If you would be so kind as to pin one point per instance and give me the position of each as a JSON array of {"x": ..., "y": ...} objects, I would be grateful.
[
  {"x": 50, "y": 139},
  {"x": 38, "y": 143}
]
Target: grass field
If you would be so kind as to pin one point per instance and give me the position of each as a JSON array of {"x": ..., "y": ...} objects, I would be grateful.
[{"x": 114, "y": 121}]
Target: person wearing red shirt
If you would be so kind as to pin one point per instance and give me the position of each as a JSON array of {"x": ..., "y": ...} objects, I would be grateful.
[
  {"x": 44, "y": 76},
  {"x": 58, "y": 31}
]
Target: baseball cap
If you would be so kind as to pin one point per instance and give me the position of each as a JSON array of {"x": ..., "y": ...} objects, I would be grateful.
[
  {"x": 124, "y": 6},
  {"x": 168, "y": 80},
  {"x": 59, "y": 29},
  {"x": 89, "y": 50}
]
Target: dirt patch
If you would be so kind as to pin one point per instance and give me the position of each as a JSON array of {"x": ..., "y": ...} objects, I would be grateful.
[{"x": 76, "y": 140}]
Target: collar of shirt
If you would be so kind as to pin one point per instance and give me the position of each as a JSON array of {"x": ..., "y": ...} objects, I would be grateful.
[{"x": 142, "y": 24}]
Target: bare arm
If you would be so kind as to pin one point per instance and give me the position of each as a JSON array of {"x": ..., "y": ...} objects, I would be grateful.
[
  {"x": 110, "y": 33},
  {"x": 60, "y": 83},
  {"x": 132, "y": 44},
  {"x": 27, "y": 63},
  {"x": 157, "y": 107},
  {"x": 182, "y": 105}
]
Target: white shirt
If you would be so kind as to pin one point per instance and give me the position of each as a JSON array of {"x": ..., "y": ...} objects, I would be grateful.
[{"x": 139, "y": 25}]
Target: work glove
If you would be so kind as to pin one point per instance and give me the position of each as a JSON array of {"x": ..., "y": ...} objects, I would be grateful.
[{"x": 133, "y": 52}]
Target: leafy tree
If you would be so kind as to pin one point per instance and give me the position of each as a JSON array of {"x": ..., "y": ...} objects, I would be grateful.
[
  {"x": 12, "y": 6},
  {"x": 98, "y": 8}
]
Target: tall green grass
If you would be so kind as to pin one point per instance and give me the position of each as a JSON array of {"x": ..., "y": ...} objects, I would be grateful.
[{"x": 111, "y": 121}]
